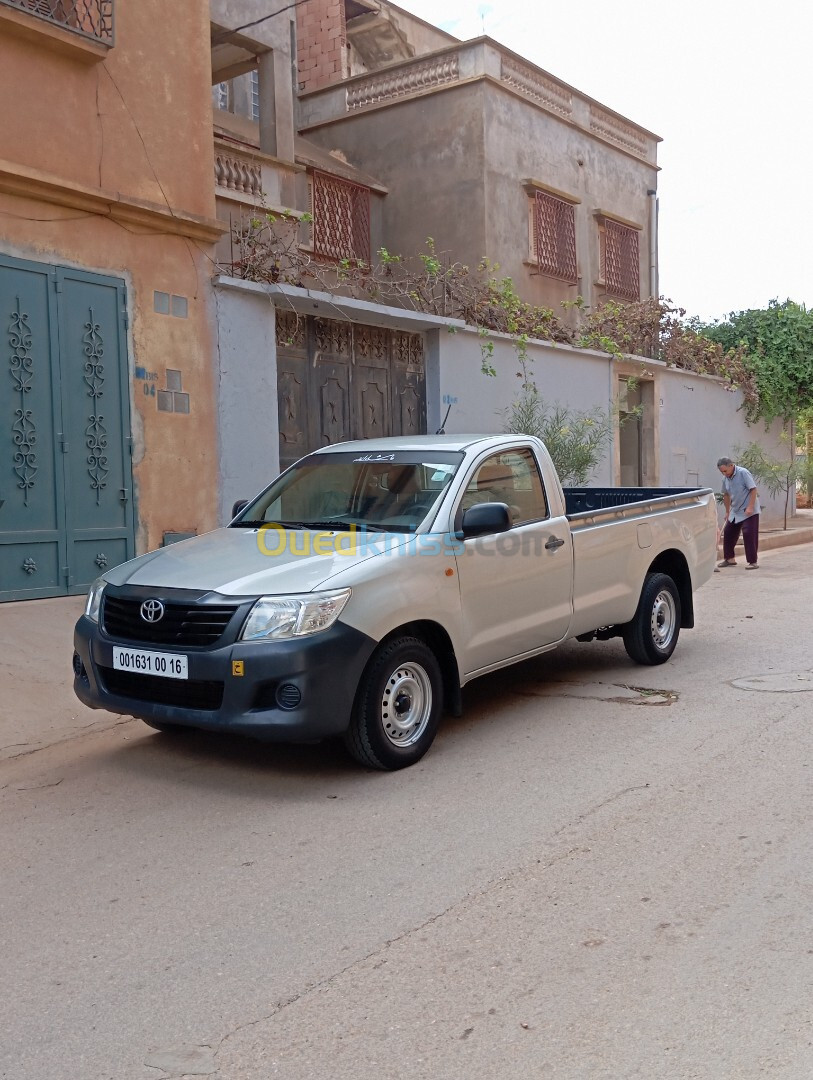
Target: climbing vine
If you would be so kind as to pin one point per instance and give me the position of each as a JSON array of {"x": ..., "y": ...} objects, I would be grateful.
[{"x": 268, "y": 248}]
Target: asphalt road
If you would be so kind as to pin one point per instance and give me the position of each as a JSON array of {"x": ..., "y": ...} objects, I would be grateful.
[{"x": 581, "y": 880}]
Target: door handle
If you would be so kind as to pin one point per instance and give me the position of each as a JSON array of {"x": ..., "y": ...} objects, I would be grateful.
[{"x": 553, "y": 543}]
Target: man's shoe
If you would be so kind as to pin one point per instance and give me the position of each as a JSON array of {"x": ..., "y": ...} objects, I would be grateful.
[
  {"x": 752, "y": 566},
  {"x": 727, "y": 562}
]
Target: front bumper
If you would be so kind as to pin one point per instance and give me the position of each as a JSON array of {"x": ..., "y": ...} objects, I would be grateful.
[{"x": 289, "y": 691}]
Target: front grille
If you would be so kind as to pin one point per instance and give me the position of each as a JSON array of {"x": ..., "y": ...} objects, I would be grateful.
[
  {"x": 182, "y": 624},
  {"x": 181, "y": 693}
]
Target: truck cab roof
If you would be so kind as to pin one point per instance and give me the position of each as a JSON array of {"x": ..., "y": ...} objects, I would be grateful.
[{"x": 423, "y": 442}]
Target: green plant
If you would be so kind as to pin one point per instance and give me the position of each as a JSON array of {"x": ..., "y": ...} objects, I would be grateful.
[
  {"x": 779, "y": 476},
  {"x": 575, "y": 440}
]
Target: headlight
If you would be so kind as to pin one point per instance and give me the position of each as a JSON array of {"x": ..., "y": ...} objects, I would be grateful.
[
  {"x": 94, "y": 600},
  {"x": 277, "y": 618}
]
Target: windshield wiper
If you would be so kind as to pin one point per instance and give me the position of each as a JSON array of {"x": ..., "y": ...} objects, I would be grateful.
[
  {"x": 335, "y": 526},
  {"x": 267, "y": 524},
  {"x": 347, "y": 526}
]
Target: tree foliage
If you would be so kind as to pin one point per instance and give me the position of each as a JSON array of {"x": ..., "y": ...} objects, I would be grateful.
[
  {"x": 779, "y": 476},
  {"x": 777, "y": 344}
]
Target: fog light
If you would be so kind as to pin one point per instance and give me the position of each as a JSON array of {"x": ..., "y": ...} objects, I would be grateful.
[
  {"x": 288, "y": 696},
  {"x": 79, "y": 667}
]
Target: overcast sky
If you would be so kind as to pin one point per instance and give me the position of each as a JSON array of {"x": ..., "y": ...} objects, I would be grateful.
[{"x": 726, "y": 84}]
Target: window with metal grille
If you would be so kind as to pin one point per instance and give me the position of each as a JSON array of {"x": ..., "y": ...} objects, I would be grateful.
[
  {"x": 93, "y": 18},
  {"x": 620, "y": 268},
  {"x": 341, "y": 219},
  {"x": 553, "y": 236},
  {"x": 255, "y": 95}
]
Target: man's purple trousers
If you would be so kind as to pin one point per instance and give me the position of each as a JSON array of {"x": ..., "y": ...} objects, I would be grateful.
[{"x": 750, "y": 537}]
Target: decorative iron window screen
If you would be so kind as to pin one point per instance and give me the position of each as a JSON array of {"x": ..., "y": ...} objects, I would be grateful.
[
  {"x": 341, "y": 219},
  {"x": 555, "y": 235},
  {"x": 620, "y": 260},
  {"x": 255, "y": 94},
  {"x": 93, "y": 18}
]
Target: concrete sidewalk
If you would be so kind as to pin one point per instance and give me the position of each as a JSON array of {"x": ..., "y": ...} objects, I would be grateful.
[{"x": 37, "y": 703}]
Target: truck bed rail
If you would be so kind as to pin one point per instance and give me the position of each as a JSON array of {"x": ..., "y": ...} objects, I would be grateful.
[{"x": 580, "y": 500}]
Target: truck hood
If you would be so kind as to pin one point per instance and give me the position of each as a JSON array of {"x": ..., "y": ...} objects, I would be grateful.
[{"x": 245, "y": 562}]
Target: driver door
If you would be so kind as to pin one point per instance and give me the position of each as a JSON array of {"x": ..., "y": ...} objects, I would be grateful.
[{"x": 516, "y": 586}]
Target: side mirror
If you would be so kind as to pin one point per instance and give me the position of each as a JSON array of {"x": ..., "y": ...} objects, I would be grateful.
[
  {"x": 485, "y": 518},
  {"x": 238, "y": 507}
]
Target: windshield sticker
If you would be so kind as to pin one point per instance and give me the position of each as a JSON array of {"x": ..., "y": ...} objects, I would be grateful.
[
  {"x": 442, "y": 472},
  {"x": 375, "y": 457}
]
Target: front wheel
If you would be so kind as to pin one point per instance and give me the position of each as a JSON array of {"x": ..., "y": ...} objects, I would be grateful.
[
  {"x": 652, "y": 634},
  {"x": 398, "y": 706}
]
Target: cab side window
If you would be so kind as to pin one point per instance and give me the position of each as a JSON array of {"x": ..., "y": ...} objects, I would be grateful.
[
  {"x": 528, "y": 490},
  {"x": 511, "y": 477}
]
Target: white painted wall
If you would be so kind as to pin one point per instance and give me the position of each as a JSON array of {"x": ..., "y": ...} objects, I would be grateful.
[
  {"x": 697, "y": 420},
  {"x": 247, "y": 410},
  {"x": 576, "y": 377}
]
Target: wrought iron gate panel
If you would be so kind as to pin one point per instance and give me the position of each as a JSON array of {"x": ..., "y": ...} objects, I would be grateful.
[
  {"x": 32, "y": 540},
  {"x": 332, "y": 402},
  {"x": 409, "y": 384},
  {"x": 373, "y": 419},
  {"x": 99, "y": 512},
  {"x": 292, "y": 387},
  {"x": 66, "y": 509},
  {"x": 339, "y": 381},
  {"x": 372, "y": 374}
]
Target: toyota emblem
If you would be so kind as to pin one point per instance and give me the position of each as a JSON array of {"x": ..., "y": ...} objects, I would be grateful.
[{"x": 152, "y": 611}]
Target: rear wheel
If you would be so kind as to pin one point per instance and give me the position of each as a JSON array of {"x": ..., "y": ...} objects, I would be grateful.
[
  {"x": 652, "y": 634},
  {"x": 398, "y": 706}
]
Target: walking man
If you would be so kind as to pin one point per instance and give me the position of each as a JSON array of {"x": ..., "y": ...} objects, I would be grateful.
[{"x": 741, "y": 513}]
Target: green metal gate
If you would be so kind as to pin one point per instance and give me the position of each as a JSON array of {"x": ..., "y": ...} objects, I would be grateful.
[{"x": 66, "y": 506}]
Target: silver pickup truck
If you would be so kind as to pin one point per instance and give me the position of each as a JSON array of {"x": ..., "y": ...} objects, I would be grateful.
[{"x": 372, "y": 580}]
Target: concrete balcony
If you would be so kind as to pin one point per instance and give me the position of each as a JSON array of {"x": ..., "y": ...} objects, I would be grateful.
[
  {"x": 247, "y": 181},
  {"x": 245, "y": 175},
  {"x": 467, "y": 62}
]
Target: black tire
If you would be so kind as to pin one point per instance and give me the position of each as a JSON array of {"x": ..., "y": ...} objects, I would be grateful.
[
  {"x": 398, "y": 706},
  {"x": 652, "y": 634}
]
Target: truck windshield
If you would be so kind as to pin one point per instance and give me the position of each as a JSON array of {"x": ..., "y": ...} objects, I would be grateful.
[{"x": 393, "y": 492}]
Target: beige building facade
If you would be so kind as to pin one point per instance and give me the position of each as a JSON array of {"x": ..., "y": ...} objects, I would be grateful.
[
  {"x": 107, "y": 239},
  {"x": 399, "y": 132},
  {"x": 486, "y": 153}
]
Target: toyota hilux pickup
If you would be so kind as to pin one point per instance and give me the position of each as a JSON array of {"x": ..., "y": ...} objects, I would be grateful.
[{"x": 362, "y": 589}]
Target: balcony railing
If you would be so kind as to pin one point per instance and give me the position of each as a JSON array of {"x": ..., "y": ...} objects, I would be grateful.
[
  {"x": 462, "y": 64},
  {"x": 236, "y": 172},
  {"x": 91, "y": 18}
]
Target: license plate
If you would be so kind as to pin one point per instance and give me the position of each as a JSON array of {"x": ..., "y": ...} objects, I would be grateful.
[{"x": 145, "y": 662}]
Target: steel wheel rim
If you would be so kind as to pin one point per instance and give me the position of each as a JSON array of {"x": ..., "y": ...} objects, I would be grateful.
[
  {"x": 663, "y": 620},
  {"x": 406, "y": 704}
]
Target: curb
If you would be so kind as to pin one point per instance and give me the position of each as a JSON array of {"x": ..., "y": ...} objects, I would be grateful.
[{"x": 779, "y": 539}]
